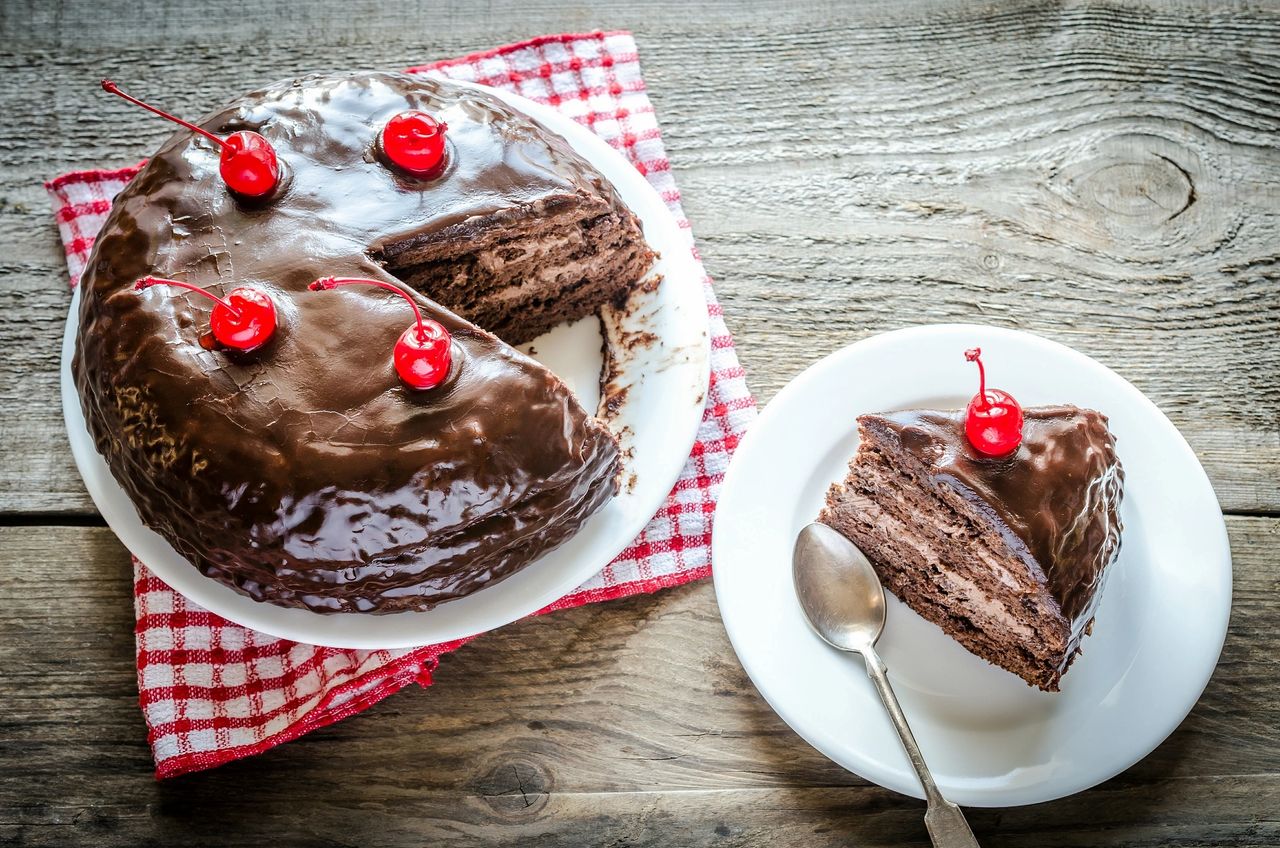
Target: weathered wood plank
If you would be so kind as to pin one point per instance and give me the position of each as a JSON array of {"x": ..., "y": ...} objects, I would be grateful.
[
  {"x": 849, "y": 169},
  {"x": 813, "y": 817},
  {"x": 626, "y": 723}
]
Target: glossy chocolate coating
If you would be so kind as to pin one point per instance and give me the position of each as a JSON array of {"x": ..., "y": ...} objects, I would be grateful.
[
  {"x": 305, "y": 473},
  {"x": 1056, "y": 498}
]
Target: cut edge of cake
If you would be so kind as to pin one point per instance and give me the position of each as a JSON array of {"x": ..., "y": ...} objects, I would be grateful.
[{"x": 522, "y": 271}]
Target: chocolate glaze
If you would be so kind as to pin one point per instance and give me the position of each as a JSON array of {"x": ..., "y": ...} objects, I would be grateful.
[
  {"x": 1056, "y": 499},
  {"x": 305, "y": 473}
]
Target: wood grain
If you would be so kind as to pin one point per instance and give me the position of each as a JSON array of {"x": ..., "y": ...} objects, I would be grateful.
[
  {"x": 1103, "y": 174},
  {"x": 620, "y": 724}
]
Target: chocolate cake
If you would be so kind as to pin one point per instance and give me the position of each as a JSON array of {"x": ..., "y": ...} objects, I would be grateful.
[
  {"x": 304, "y": 473},
  {"x": 1007, "y": 555}
]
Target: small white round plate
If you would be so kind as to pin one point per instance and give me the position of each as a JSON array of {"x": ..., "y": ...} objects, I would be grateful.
[
  {"x": 658, "y": 419},
  {"x": 990, "y": 739}
]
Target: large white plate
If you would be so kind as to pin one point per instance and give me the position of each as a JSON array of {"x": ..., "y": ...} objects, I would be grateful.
[
  {"x": 658, "y": 421},
  {"x": 989, "y": 738}
]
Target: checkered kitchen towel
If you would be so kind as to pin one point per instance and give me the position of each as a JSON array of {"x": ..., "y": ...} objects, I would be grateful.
[{"x": 212, "y": 691}]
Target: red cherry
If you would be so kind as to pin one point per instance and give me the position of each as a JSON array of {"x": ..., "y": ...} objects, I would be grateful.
[
  {"x": 414, "y": 142},
  {"x": 423, "y": 353},
  {"x": 247, "y": 161},
  {"x": 244, "y": 320},
  {"x": 248, "y": 164},
  {"x": 993, "y": 419}
]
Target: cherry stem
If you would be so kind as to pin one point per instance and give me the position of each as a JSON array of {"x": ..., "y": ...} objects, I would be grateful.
[
  {"x": 109, "y": 86},
  {"x": 148, "y": 282},
  {"x": 975, "y": 355},
  {"x": 327, "y": 283}
]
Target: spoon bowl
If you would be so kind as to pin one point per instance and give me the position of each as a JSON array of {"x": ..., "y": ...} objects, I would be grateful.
[{"x": 838, "y": 589}]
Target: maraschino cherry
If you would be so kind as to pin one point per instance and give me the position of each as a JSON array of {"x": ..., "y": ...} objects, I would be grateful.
[
  {"x": 993, "y": 419},
  {"x": 423, "y": 352},
  {"x": 414, "y": 142},
  {"x": 247, "y": 162},
  {"x": 243, "y": 320}
]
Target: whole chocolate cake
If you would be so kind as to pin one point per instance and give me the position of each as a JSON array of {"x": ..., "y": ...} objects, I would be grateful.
[
  {"x": 304, "y": 472},
  {"x": 1006, "y": 554}
]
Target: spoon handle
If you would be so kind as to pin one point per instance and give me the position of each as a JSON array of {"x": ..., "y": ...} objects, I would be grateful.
[{"x": 946, "y": 824}]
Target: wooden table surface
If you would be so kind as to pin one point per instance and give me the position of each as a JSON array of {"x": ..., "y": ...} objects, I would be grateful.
[{"x": 1106, "y": 174}]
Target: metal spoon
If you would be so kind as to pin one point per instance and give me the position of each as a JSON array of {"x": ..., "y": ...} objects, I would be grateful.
[{"x": 844, "y": 602}]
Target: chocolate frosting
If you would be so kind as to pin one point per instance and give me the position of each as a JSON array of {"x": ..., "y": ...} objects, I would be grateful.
[
  {"x": 304, "y": 472},
  {"x": 1056, "y": 498}
]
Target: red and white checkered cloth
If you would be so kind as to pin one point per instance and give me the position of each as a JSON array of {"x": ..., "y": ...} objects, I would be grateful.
[{"x": 212, "y": 691}]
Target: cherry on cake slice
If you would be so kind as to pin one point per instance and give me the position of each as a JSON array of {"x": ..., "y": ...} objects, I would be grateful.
[{"x": 1005, "y": 551}]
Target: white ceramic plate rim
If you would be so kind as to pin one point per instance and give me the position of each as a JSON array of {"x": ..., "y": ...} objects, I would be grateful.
[
  {"x": 808, "y": 394},
  {"x": 675, "y": 392}
]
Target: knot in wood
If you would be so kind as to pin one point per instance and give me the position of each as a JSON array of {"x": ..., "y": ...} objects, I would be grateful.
[
  {"x": 515, "y": 787},
  {"x": 1153, "y": 190}
]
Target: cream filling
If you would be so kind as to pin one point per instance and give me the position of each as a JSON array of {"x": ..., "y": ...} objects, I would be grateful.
[{"x": 979, "y": 605}]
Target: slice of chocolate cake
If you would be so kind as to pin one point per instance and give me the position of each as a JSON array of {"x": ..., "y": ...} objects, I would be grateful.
[{"x": 1007, "y": 555}]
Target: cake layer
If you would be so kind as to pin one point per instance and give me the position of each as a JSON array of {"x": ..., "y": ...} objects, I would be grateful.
[
  {"x": 305, "y": 472},
  {"x": 535, "y": 272}
]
